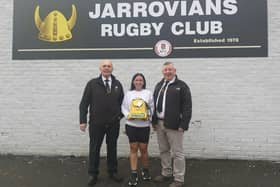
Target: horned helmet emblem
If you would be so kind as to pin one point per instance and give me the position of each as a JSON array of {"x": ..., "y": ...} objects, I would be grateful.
[{"x": 55, "y": 27}]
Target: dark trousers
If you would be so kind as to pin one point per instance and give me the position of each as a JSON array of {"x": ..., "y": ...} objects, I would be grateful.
[{"x": 96, "y": 134}]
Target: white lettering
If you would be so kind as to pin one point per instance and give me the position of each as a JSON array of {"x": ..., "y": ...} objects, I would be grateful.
[
  {"x": 145, "y": 29},
  {"x": 139, "y": 8},
  {"x": 199, "y": 28},
  {"x": 132, "y": 29},
  {"x": 164, "y": 8},
  {"x": 124, "y": 10},
  {"x": 171, "y": 10},
  {"x": 157, "y": 28},
  {"x": 216, "y": 8},
  {"x": 95, "y": 15},
  {"x": 183, "y": 8},
  {"x": 108, "y": 11},
  {"x": 180, "y": 29},
  {"x": 216, "y": 27},
  {"x": 117, "y": 32},
  {"x": 196, "y": 8},
  {"x": 106, "y": 30},
  {"x": 156, "y": 9},
  {"x": 188, "y": 30},
  {"x": 230, "y": 7}
]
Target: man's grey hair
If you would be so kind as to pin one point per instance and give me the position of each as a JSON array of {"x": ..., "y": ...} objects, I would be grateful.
[{"x": 168, "y": 63}]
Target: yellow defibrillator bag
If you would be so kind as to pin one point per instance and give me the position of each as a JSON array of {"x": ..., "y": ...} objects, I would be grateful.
[{"x": 138, "y": 109}]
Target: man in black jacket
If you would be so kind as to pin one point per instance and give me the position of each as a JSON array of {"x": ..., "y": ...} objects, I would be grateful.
[
  {"x": 171, "y": 118},
  {"x": 103, "y": 96}
]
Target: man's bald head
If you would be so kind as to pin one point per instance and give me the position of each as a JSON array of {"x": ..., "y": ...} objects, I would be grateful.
[{"x": 106, "y": 68}]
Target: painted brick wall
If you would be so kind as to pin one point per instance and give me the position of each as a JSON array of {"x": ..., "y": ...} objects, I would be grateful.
[{"x": 236, "y": 101}]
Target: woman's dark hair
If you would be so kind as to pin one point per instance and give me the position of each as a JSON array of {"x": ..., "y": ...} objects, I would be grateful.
[{"x": 132, "y": 87}]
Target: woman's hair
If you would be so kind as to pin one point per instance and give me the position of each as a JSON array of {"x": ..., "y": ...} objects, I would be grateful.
[{"x": 132, "y": 87}]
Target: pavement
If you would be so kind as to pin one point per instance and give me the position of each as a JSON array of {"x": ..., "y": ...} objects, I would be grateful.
[{"x": 37, "y": 171}]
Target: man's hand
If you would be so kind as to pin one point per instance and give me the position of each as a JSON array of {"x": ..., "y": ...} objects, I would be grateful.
[{"x": 83, "y": 127}]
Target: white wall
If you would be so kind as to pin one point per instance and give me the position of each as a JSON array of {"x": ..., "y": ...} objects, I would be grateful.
[{"x": 236, "y": 101}]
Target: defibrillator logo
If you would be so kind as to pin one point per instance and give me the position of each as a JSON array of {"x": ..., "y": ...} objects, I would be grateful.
[
  {"x": 163, "y": 48},
  {"x": 55, "y": 27}
]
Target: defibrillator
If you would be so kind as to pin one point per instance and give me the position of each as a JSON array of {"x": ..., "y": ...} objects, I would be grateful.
[{"x": 138, "y": 109}]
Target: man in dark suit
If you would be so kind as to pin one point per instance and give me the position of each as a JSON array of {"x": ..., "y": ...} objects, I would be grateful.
[
  {"x": 102, "y": 98},
  {"x": 171, "y": 118}
]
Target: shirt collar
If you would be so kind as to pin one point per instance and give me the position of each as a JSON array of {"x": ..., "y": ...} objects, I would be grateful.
[
  {"x": 109, "y": 78},
  {"x": 173, "y": 80}
]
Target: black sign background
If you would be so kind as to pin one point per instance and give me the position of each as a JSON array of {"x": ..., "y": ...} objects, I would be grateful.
[{"x": 248, "y": 25}]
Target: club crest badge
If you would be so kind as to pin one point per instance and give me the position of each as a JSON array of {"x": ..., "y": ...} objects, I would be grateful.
[
  {"x": 55, "y": 27},
  {"x": 163, "y": 48}
]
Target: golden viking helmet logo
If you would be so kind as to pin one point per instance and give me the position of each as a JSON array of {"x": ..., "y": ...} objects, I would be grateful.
[{"x": 55, "y": 27}]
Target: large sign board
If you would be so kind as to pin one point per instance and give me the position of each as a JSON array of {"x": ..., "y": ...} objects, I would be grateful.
[{"x": 94, "y": 29}]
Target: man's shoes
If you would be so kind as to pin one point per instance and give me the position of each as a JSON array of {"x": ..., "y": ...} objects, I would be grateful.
[
  {"x": 176, "y": 184},
  {"x": 92, "y": 180},
  {"x": 115, "y": 177},
  {"x": 133, "y": 179},
  {"x": 161, "y": 178},
  {"x": 146, "y": 175}
]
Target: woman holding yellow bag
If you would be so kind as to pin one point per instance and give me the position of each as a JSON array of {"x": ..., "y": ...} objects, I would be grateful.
[{"x": 137, "y": 108}]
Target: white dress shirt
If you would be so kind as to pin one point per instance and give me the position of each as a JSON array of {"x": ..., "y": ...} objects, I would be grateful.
[
  {"x": 160, "y": 115},
  {"x": 109, "y": 82}
]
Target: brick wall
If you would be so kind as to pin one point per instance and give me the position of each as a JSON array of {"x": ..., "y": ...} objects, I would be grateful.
[{"x": 236, "y": 101}]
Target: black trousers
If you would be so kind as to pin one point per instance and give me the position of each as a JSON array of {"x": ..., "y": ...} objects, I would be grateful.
[{"x": 96, "y": 134}]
